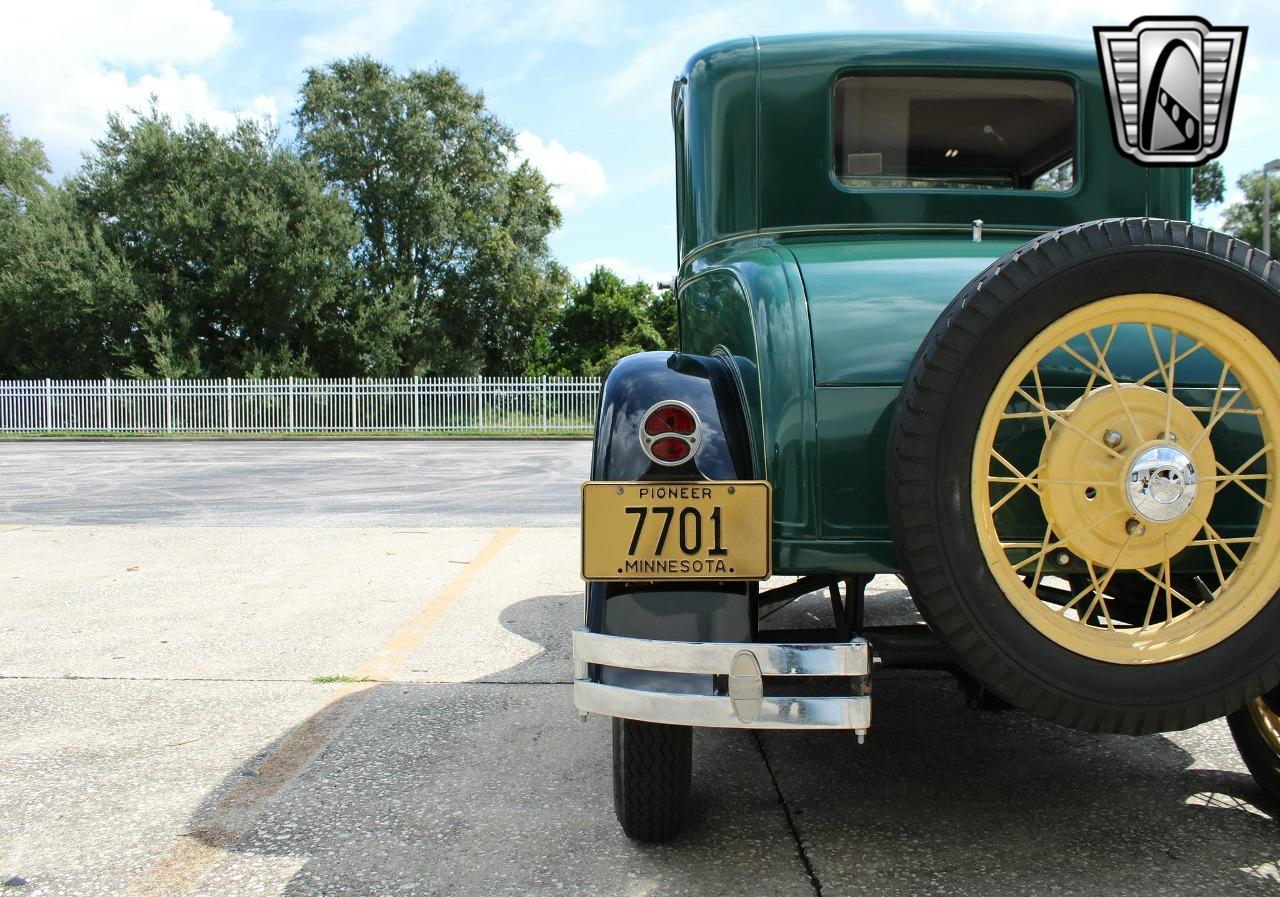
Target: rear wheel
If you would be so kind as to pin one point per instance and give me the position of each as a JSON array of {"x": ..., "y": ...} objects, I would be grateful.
[
  {"x": 652, "y": 770},
  {"x": 1081, "y": 482},
  {"x": 1256, "y": 729}
]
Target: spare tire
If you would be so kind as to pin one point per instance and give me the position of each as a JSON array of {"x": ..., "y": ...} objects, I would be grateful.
[{"x": 1082, "y": 476}]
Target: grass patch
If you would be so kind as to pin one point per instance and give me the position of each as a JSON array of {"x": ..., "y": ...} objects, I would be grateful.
[{"x": 325, "y": 680}]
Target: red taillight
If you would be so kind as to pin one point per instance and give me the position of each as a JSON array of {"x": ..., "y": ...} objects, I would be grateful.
[
  {"x": 670, "y": 419},
  {"x": 670, "y": 449},
  {"x": 670, "y": 433}
]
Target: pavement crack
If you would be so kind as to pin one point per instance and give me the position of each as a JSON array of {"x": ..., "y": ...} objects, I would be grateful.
[{"x": 814, "y": 881}]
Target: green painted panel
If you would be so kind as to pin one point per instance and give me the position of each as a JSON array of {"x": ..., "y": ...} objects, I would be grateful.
[
  {"x": 795, "y": 558},
  {"x": 747, "y": 303},
  {"x": 873, "y": 299},
  {"x": 755, "y": 146},
  {"x": 853, "y": 430}
]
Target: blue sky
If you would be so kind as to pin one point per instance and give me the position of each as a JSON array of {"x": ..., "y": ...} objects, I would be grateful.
[{"x": 584, "y": 82}]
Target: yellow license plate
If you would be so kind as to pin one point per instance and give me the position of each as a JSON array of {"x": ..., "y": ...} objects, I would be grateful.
[{"x": 691, "y": 530}]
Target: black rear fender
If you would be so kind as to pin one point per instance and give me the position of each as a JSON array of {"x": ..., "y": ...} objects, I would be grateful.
[{"x": 676, "y": 611}]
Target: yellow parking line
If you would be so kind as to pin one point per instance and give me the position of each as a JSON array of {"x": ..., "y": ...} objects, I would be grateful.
[
  {"x": 195, "y": 852},
  {"x": 397, "y": 649}
]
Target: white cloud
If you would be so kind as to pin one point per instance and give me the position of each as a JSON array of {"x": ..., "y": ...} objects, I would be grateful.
[
  {"x": 371, "y": 28},
  {"x": 652, "y": 67},
  {"x": 377, "y": 28},
  {"x": 627, "y": 269},
  {"x": 65, "y": 65},
  {"x": 129, "y": 33},
  {"x": 576, "y": 178},
  {"x": 1075, "y": 18},
  {"x": 928, "y": 9}
]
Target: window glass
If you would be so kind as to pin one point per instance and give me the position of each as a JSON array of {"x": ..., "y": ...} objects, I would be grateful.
[{"x": 942, "y": 132}]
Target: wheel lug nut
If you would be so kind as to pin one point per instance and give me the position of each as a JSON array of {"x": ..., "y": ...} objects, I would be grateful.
[
  {"x": 1134, "y": 528},
  {"x": 1062, "y": 558},
  {"x": 1113, "y": 438}
]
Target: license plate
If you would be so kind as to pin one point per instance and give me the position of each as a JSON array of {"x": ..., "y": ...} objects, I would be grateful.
[{"x": 691, "y": 530}]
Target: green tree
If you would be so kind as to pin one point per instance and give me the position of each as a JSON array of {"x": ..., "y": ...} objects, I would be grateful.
[
  {"x": 1244, "y": 219},
  {"x": 664, "y": 313},
  {"x": 605, "y": 320},
  {"x": 239, "y": 259},
  {"x": 1208, "y": 184},
  {"x": 61, "y": 288},
  {"x": 23, "y": 166},
  {"x": 453, "y": 238}
]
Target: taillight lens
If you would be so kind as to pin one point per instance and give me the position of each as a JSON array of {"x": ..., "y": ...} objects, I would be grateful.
[
  {"x": 670, "y": 419},
  {"x": 670, "y": 433},
  {"x": 669, "y": 449}
]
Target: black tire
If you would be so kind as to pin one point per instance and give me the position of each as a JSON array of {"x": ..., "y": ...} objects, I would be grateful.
[
  {"x": 931, "y": 453},
  {"x": 652, "y": 771},
  {"x": 1259, "y": 754}
]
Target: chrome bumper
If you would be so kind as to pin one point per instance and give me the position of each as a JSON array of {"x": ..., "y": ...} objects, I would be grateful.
[{"x": 745, "y": 664}]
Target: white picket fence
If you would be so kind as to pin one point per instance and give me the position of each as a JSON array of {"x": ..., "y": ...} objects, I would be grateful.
[{"x": 412, "y": 405}]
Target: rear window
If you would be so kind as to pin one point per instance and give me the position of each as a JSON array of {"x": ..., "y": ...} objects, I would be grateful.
[{"x": 936, "y": 132}]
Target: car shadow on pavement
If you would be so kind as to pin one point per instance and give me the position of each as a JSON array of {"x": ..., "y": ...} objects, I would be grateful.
[{"x": 493, "y": 786}]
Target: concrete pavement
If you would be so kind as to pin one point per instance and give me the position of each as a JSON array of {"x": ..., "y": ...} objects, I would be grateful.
[
  {"x": 302, "y": 482},
  {"x": 173, "y": 726}
]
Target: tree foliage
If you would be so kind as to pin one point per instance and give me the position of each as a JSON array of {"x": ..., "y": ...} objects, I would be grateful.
[
  {"x": 606, "y": 319},
  {"x": 453, "y": 244},
  {"x": 396, "y": 236},
  {"x": 239, "y": 257},
  {"x": 1208, "y": 184},
  {"x": 1244, "y": 219},
  {"x": 63, "y": 293}
]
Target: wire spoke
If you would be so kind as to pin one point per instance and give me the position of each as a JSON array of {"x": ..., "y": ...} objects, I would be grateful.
[
  {"x": 1106, "y": 369},
  {"x": 1076, "y": 598},
  {"x": 1233, "y": 540},
  {"x": 1214, "y": 418},
  {"x": 1008, "y": 496},
  {"x": 1101, "y": 588},
  {"x": 1217, "y": 393},
  {"x": 1095, "y": 371},
  {"x": 1106, "y": 347},
  {"x": 1155, "y": 595},
  {"x": 1206, "y": 409},
  {"x": 1066, "y": 422},
  {"x": 1165, "y": 582},
  {"x": 1035, "y": 375},
  {"x": 1213, "y": 553},
  {"x": 1046, "y": 548},
  {"x": 1005, "y": 461},
  {"x": 1224, "y": 544},
  {"x": 1173, "y": 362},
  {"x": 1036, "y": 481},
  {"x": 1028, "y": 481},
  {"x": 1143, "y": 381},
  {"x": 1252, "y": 458},
  {"x": 1238, "y": 480}
]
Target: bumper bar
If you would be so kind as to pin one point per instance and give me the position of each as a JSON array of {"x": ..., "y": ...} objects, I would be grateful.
[{"x": 745, "y": 664}]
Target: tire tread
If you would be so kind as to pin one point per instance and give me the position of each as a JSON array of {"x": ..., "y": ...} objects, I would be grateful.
[{"x": 915, "y": 446}]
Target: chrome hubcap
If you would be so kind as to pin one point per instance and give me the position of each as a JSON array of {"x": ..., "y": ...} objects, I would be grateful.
[{"x": 1162, "y": 483}]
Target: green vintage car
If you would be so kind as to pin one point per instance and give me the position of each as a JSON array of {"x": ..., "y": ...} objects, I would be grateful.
[{"x": 901, "y": 351}]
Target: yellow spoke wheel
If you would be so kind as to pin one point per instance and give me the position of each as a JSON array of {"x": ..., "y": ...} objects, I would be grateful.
[
  {"x": 1080, "y": 477},
  {"x": 1126, "y": 480}
]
